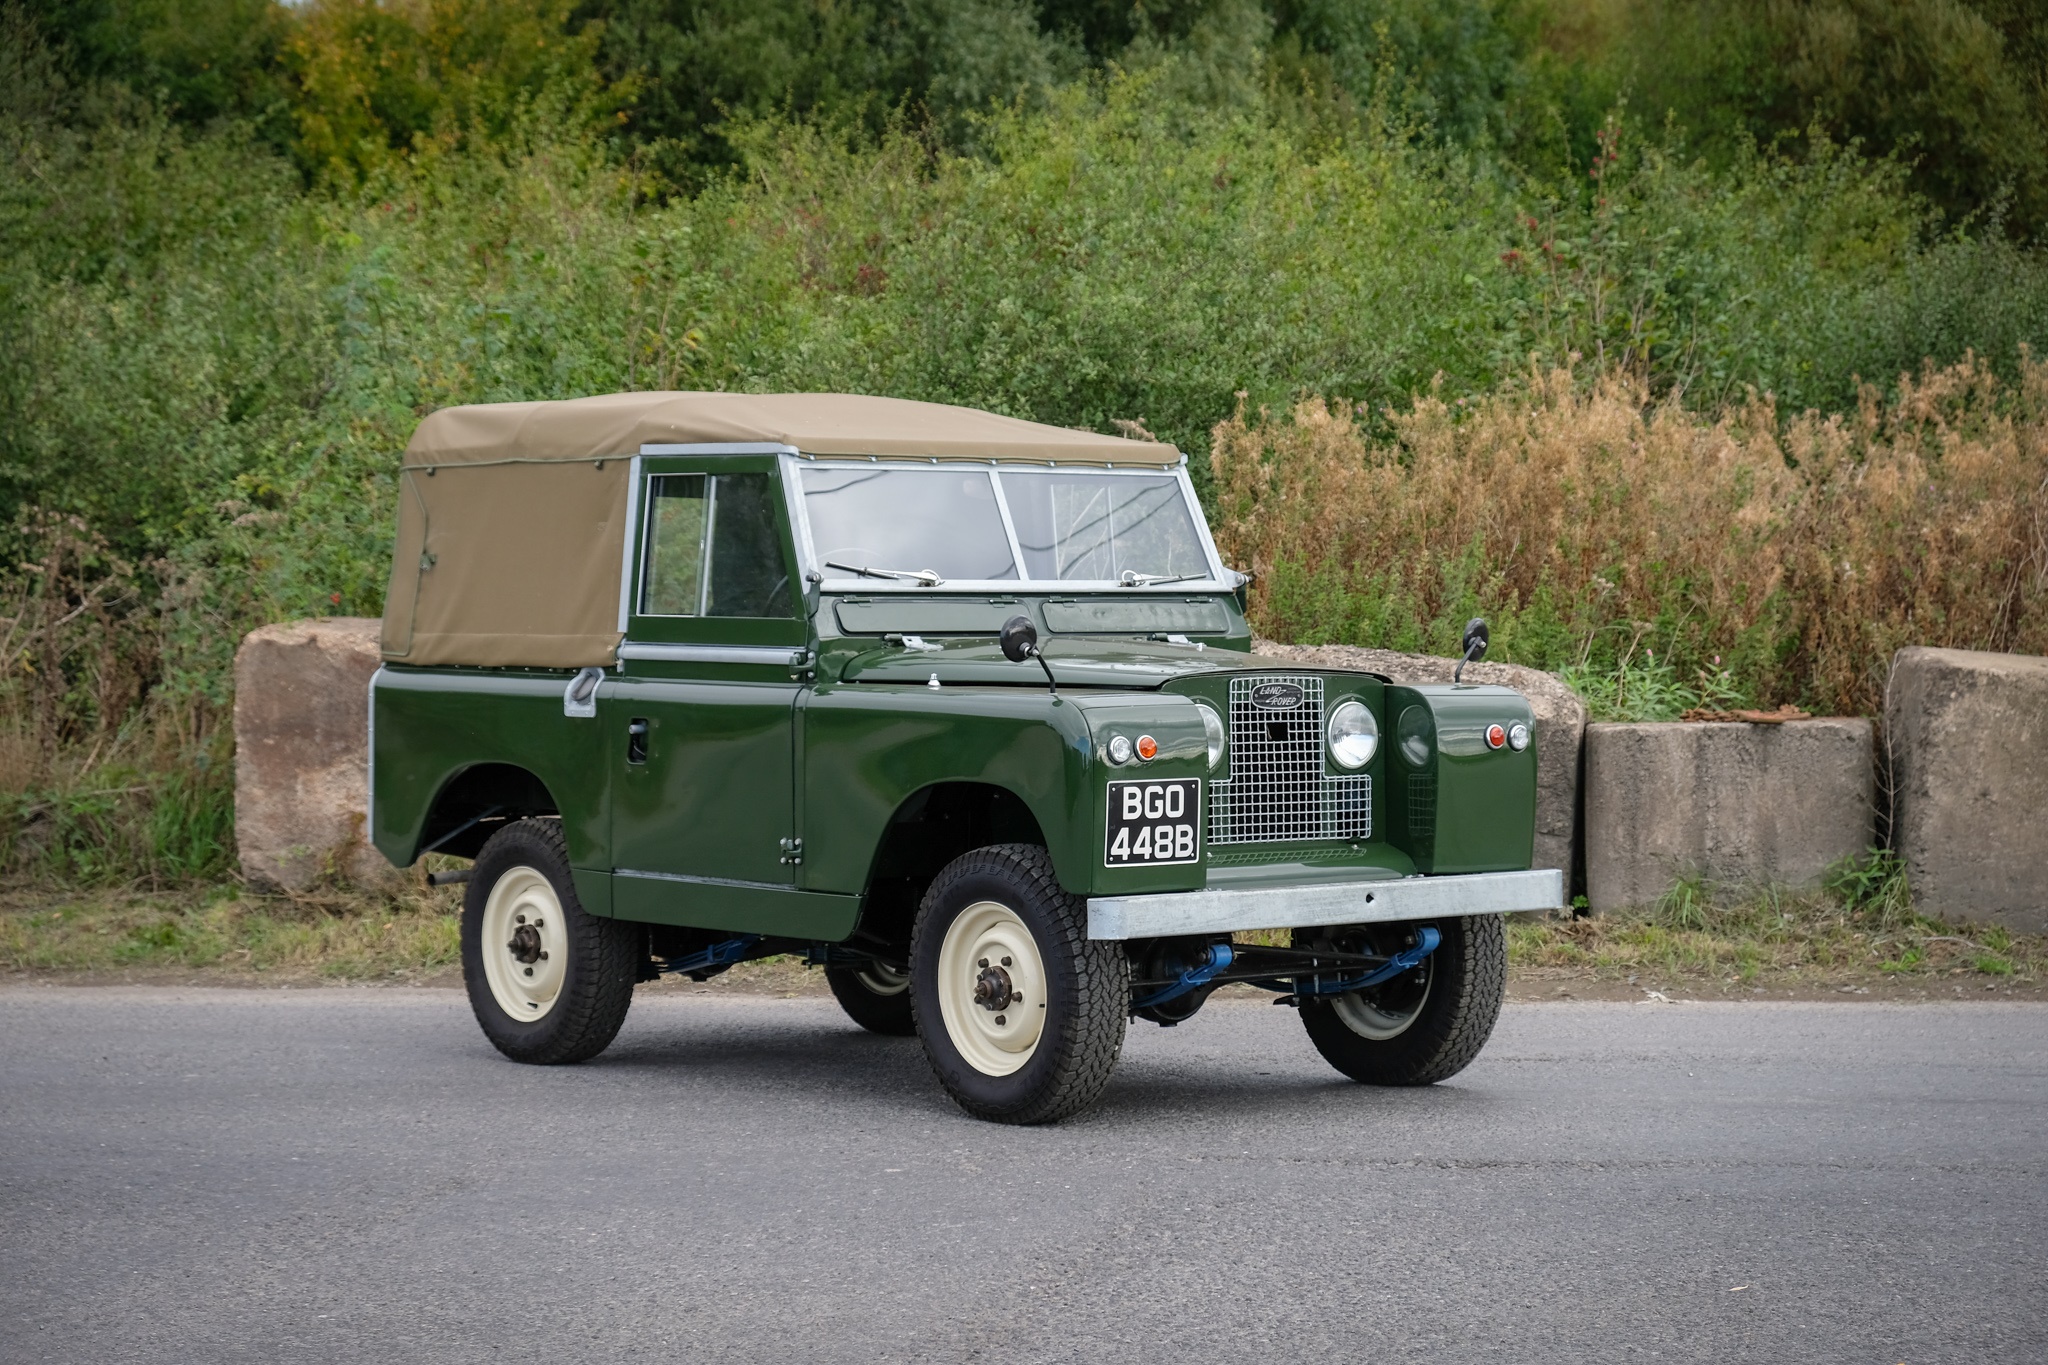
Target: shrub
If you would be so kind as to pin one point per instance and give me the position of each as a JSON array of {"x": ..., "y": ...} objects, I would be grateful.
[{"x": 1592, "y": 521}]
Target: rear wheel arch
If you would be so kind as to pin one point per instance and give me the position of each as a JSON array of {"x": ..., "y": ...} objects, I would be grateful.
[{"x": 477, "y": 801}]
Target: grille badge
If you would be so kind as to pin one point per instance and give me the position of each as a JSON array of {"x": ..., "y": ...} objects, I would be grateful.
[{"x": 1276, "y": 696}]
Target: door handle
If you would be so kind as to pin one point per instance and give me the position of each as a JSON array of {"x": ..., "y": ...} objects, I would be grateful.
[{"x": 636, "y": 740}]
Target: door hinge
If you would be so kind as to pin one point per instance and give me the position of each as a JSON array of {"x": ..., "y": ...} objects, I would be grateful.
[{"x": 792, "y": 851}]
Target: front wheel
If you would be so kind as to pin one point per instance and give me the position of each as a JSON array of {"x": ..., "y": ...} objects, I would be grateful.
[
  {"x": 1423, "y": 1026},
  {"x": 549, "y": 983},
  {"x": 1021, "y": 1013}
]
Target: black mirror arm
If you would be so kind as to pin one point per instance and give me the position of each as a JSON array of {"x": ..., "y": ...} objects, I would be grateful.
[{"x": 1050, "y": 685}]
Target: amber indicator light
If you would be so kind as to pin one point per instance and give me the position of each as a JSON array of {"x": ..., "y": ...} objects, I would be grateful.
[{"x": 1148, "y": 747}]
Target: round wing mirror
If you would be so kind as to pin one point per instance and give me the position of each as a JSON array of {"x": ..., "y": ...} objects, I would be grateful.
[
  {"x": 1019, "y": 639},
  {"x": 1477, "y": 637}
]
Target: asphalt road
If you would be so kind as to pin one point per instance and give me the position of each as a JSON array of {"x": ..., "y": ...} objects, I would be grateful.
[{"x": 355, "y": 1176}]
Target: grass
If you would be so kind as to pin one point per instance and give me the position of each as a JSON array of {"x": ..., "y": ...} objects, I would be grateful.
[
  {"x": 1858, "y": 930},
  {"x": 1859, "y": 927},
  {"x": 233, "y": 932}
]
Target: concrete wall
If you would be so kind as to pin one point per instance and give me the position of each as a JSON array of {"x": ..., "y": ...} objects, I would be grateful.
[
  {"x": 1560, "y": 725},
  {"x": 1740, "y": 804},
  {"x": 302, "y": 753},
  {"x": 1967, "y": 734}
]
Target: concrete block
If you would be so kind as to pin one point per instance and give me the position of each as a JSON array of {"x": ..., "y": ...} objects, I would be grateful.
[
  {"x": 1740, "y": 804},
  {"x": 1966, "y": 733},
  {"x": 302, "y": 753},
  {"x": 1560, "y": 725}
]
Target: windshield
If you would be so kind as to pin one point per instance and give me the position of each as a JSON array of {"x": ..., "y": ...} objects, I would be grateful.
[
  {"x": 1070, "y": 525},
  {"x": 1073, "y": 525},
  {"x": 908, "y": 521}
]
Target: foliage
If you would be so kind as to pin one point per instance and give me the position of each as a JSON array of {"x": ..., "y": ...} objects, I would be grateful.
[
  {"x": 346, "y": 937},
  {"x": 1859, "y": 927},
  {"x": 216, "y": 347},
  {"x": 1589, "y": 522},
  {"x": 381, "y": 79},
  {"x": 1957, "y": 87},
  {"x": 1872, "y": 885}
]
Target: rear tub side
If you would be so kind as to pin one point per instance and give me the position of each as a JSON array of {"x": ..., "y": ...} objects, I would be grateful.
[{"x": 430, "y": 727}]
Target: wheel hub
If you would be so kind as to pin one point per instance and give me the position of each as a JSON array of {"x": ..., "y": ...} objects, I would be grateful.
[
  {"x": 525, "y": 944},
  {"x": 993, "y": 989}
]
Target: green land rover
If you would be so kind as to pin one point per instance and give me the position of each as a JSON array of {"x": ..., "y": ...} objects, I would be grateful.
[{"x": 959, "y": 707}]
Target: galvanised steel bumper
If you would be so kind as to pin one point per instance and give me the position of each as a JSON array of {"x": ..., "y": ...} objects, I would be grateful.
[{"x": 1220, "y": 910}]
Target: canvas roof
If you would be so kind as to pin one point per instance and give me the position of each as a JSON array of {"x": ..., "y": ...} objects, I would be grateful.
[
  {"x": 816, "y": 423},
  {"x": 512, "y": 516}
]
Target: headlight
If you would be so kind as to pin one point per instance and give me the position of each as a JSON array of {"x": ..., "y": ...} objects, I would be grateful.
[
  {"x": 1416, "y": 735},
  {"x": 1354, "y": 734},
  {"x": 1212, "y": 726}
]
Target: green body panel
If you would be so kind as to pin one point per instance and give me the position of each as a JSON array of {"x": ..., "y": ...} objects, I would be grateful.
[
  {"x": 1467, "y": 808},
  {"x": 770, "y": 790},
  {"x": 713, "y": 797},
  {"x": 429, "y": 726},
  {"x": 778, "y": 910}
]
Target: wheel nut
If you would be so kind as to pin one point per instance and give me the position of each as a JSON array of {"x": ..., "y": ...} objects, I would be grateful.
[
  {"x": 982, "y": 963},
  {"x": 1006, "y": 962},
  {"x": 1001, "y": 1020},
  {"x": 529, "y": 971}
]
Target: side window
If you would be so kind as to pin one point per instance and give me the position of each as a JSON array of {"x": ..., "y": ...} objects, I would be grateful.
[{"x": 712, "y": 549}]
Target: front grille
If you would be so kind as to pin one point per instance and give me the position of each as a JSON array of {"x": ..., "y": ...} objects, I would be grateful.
[{"x": 1276, "y": 791}]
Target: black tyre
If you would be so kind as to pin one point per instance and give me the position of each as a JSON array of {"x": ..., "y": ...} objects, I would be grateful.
[
  {"x": 549, "y": 983},
  {"x": 1423, "y": 1026},
  {"x": 875, "y": 997},
  {"x": 1021, "y": 1013}
]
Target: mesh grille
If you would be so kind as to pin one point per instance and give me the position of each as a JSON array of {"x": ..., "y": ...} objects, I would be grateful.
[{"x": 1276, "y": 791}]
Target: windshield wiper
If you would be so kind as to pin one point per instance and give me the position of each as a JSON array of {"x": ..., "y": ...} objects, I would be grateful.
[
  {"x": 1130, "y": 579},
  {"x": 924, "y": 578}
]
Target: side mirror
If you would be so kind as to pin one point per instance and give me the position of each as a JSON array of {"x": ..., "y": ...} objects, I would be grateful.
[
  {"x": 1477, "y": 637},
  {"x": 1019, "y": 639}
]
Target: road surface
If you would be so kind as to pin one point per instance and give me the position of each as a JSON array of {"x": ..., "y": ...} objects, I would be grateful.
[{"x": 270, "y": 1176}]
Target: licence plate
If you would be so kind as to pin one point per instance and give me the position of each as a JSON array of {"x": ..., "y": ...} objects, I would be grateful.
[{"x": 1154, "y": 823}]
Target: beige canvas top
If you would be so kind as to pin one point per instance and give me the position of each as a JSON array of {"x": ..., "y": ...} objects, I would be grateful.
[
  {"x": 512, "y": 516},
  {"x": 817, "y": 423}
]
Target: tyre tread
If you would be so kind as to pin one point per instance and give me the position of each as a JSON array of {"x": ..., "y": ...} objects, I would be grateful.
[
  {"x": 1089, "y": 1049},
  {"x": 599, "y": 986}
]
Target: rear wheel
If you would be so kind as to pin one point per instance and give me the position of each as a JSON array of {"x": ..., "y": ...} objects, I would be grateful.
[
  {"x": 1021, "y": 1013},
  {"x": 549, "y": 983},
  {"x": 1423, "y": 1026},
  {"x": 877, "y": 997}
]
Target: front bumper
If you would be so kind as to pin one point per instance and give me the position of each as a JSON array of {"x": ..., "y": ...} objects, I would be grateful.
[{"x": 1224, "y": 909}]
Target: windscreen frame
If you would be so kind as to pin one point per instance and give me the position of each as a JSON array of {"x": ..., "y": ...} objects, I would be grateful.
[{"x": 1218, "y": 579}]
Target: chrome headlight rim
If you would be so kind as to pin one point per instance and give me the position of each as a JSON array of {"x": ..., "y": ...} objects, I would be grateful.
[
  {"x": 1352, "y": 734},
  {"x": 1215, "y": 732}
]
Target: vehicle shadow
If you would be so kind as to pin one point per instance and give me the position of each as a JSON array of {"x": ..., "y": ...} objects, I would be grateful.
[{"x": 833, "y": 1062}]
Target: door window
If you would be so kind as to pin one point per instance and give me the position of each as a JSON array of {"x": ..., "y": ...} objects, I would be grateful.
[{"x": 712, "y": 548}]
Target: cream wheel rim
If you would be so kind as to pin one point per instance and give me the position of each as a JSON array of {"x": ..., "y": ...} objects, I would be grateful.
[
  {"x": 992, "y": 988},
  {"x": 524, "y": 946},
  {"x": 1368, "y": 1019},
  {"x": 881, "y": 980}
]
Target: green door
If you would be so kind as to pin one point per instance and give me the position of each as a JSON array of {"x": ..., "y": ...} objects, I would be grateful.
[{"x": 699, "y": 722}]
